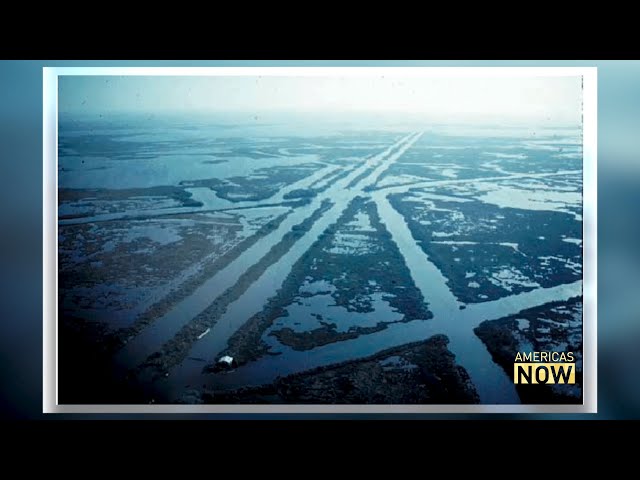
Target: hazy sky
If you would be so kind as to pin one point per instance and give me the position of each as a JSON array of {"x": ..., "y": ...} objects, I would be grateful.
[{"x": 553, "y": 99}]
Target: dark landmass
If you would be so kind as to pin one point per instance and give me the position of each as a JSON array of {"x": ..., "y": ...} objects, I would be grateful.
[
  {"x": 555, "y": 326},
  {"x": 262, "y": 184},
  {"x": 423, "y": 372},
  {"x": 115, "y": 196},
  {"x": 500, "y": 241},
  {"x": 86, "y": 374},
  {"x": 214, "y": 162},
  {"x": 300, "y": 193}
]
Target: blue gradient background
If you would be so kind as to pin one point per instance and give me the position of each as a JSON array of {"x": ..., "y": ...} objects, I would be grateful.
[{"x": 618, "y": 233}]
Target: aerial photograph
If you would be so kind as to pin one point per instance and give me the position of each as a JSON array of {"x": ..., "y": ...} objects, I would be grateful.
[{"x": 317, "y": 239}]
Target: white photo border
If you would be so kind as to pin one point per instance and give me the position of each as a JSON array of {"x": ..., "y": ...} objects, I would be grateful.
[{"x": 50, "y": 235}]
